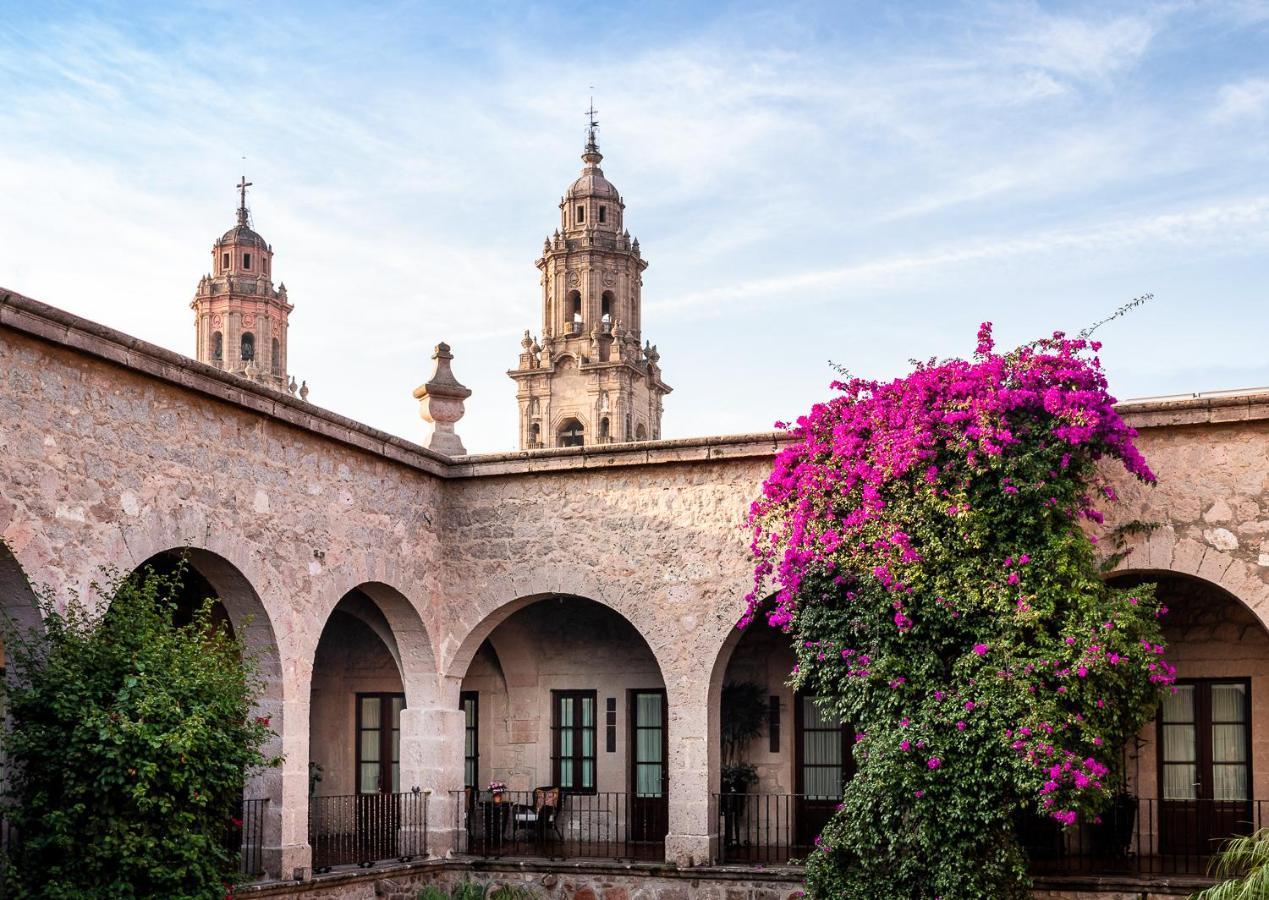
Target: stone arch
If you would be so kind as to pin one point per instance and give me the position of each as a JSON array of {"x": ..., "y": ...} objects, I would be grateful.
[
  {"x": 492, "y": 613},
  {"x": 1162, "y": 550},
  {"x": 369, "y": 621}
]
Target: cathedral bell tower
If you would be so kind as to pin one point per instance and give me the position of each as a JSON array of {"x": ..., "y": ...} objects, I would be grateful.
[
  {"x": 587, "y": 380},
  {"x": 241, "y": 320}
]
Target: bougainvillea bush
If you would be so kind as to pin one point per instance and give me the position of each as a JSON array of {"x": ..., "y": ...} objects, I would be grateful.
[{"x": 924, "y": 541}]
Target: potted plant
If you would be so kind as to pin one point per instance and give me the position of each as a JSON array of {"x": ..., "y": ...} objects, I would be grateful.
[
  {"x": 1112, "y": 830},
  {"x": 741, "y": 718},
  {"x": 497, "y": 789}
]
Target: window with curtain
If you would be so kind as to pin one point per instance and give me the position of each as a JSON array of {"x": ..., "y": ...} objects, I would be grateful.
[
  {"x": 379, "y": 743},
  {"x": 823, "y": 752},
  {"x": 1205, "y": 732},
  {"x": 649, "y": 738},
  {"x": 573, "y": 725}
]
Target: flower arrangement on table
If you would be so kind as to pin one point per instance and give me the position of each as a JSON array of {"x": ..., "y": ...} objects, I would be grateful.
[{"x": 497, "y": 789}]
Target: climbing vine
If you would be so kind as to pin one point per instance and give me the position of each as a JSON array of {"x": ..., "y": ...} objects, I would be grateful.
[{"x": 923, "y": 538}]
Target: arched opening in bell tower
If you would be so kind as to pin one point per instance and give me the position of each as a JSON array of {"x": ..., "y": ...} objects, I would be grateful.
[
  {"x": 248, "y": 347},
  {"x": 606, "y": 307},
  {"x": 575, "y": 311},
  {"x": 572, "y": 434}
]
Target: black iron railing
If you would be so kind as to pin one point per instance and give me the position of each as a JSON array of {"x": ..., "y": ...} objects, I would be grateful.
[
  {"x": 246, "y": 837},
  {"x": 1140, "y": 837},
  {"x": 362, "y": 829},
  {"x": 768, "y": 829},
  {"x": 605, "y": 825},
  {"x": 1131, "y": 837}
]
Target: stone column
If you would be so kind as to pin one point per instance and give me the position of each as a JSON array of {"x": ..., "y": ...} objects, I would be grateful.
[
  {"x": 692, "y": 827},
  {"x": 287, "y": 854}
]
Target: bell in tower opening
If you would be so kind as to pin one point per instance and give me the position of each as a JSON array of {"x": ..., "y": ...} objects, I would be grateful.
[{"x": 590, "y": 378}]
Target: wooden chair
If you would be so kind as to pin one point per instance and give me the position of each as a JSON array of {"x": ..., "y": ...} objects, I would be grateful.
[{"x": 542, "y": 816}]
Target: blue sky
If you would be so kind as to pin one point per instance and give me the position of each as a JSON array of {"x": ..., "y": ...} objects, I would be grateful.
[{"x": 857, "y": 182}]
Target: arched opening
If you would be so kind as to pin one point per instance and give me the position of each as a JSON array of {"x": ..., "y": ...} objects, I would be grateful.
[
  {"x": 781, "y": 763},
  {"x": 1195, "y": 775},
  {"x": 641, "y": 433},
  {"x": 248, "y": 346},
  {"x": 603, "y": 430},
  {"x": 218, "y": 346},
  {"x": 372, "y": 667},
  {"x": 566, "y": 726},
  {"x": 571, "y": 433},
  {"x": 275, "y": 358},
  {"x": 574, "y": 312},
  {"x": 606, "y": 308},
  {"x": 535, "y": 435}
]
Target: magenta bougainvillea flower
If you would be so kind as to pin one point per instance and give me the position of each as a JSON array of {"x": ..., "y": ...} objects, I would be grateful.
[{"x": 925, "y": 543}]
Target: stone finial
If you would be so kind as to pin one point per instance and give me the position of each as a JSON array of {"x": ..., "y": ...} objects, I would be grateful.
[
  {"x": 441, "y": 403},
  {"x": 304, "y": 391}
]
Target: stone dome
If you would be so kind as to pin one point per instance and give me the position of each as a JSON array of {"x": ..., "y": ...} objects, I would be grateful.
[
  {"x": 592, "y": 183},
  {"x": 244, "y": 236}
]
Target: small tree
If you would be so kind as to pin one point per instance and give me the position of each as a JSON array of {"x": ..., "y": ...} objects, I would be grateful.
[
  {"x": 131, "y": 740},
  {"x": 925, "y": 539},
  {"x": 741, "y": 715}
]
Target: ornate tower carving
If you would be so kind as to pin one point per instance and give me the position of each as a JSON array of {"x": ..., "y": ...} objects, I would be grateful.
[
  {"x": 587, "y": 379},
  {"x": 241, "y": 320}
]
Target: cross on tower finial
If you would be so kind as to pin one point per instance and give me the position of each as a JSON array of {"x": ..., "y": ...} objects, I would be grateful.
[
  {"x": 242, "y": 200},
  {"x": 592, "y": 125}
]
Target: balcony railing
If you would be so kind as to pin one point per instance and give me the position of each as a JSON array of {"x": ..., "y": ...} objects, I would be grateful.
[
  {"x": 246, "y": 837},
  {"x": 768, "y": 829},
  {"x": 362, "y": 829},
  {"x": 1139, "y": 837},
  {"x": 606, "y": 825}
]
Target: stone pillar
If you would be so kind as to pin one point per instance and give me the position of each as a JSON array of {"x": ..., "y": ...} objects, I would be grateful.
[
  {"x": 441, "y": 403},
  {"x": 693, "y": 828},
  {"x": 287, "y": 854},
  {"x": 442, "y": 750}
]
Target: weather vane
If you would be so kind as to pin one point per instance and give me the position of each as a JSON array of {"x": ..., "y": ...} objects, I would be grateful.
[{"x": 591, "y": 122}]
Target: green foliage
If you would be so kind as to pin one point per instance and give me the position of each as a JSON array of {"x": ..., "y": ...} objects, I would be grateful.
[
  {"x": 130, "y": 746},
  {"x": 924, "y": 538},
  {"x": 1244, "y": 864}
]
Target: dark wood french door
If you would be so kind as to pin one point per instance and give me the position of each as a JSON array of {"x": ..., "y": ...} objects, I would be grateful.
[
  {"x": 1204, "y": 765},
  {"x": 378, "y": 774},
  {"x": 822, "y": 766},
  {"x": 649, "y": 773}
]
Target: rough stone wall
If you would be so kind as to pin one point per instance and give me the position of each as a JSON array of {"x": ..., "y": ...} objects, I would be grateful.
[
  {"x": 113, "y": 451},
  {"x": 104, "y": 466}
]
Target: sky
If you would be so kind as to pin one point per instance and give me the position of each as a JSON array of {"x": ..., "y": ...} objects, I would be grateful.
[{"x": 858, "y": 183}]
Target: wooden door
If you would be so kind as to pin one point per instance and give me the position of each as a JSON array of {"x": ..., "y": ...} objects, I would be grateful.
[
  {"x": 649, "y": 773},
  {"x": 1204, "y": 765},
  {"x": 378, "y": 775},
  {"x": 822, "y": 763}
]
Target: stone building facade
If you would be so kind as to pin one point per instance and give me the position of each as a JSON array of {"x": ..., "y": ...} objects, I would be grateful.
[
  {"x": 587, "y": 380},
  {"x": 362, "y": 566},
  {"x": 240, "y": 319},
  {"x": 431, "y": 624}
]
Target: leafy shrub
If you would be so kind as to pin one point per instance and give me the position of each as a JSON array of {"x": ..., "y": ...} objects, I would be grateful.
[
  {"x": 924, "y": 539},
  {"x": 129, "y": 749}
]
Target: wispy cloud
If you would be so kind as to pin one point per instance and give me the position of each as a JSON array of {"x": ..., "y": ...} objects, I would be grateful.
[{"x": 777, "y": 168}]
